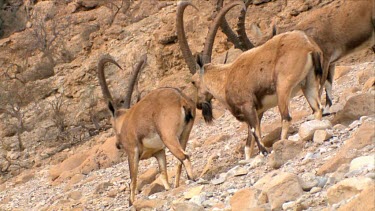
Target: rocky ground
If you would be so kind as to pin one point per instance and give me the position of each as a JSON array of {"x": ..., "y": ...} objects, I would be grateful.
[{"x": 324, "y": 165}]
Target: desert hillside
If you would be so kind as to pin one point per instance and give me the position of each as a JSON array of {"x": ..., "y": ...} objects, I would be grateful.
[{"x": 57, "y": 145}]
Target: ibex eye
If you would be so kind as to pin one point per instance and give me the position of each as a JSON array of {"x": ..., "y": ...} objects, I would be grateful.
[{"x": 193, "y": 82}]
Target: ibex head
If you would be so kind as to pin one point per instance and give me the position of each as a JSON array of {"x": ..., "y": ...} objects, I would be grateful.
[{"x": 204, "y": 95}]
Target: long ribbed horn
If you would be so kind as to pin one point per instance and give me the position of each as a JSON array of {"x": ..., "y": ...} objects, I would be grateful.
[
  {"x": 225, "y": 28},
  {"x": 207, "y": 50},
  {"x": 246, "y": 44},
  {"x": 182, "y": 41},
  {"x": 134, "y": 79},
  {"x": 103, "y": 84}
]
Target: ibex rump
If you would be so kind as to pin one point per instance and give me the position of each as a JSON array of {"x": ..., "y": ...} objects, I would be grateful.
[{"x": 163, "y": 118}]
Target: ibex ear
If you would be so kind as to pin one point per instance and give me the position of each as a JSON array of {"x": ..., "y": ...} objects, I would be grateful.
[{"x": 199, "y": 60}]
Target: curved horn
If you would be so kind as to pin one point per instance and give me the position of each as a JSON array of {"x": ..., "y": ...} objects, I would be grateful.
[
  {"x": 207, "y": 51},
  {"x": 225, "y": 28},
  {"x": 182, "y": 41},
  {"x": 133, "y": 79},
  {"x": 103, "y": 84},
  {"x": 241, "y": 31}
]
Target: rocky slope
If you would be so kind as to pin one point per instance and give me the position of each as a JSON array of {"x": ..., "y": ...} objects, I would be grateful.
[{"x": 326, "y": 165}]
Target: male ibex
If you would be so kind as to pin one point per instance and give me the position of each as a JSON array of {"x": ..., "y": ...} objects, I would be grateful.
[
  {"x": 258, "y": 79},
  {"x": 339, "y": 29},
  {"x": 163, "y": 118}
]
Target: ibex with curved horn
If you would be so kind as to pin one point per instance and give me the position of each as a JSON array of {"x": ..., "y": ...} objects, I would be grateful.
[
  {"x": 258, "y": 79},
  {"x": 163, "y": 118},
  {"x": 339, "y": 29}
]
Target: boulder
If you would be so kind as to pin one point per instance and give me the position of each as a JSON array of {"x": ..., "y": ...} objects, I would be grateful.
[
  {"x": 347, "y": 188},
  {"x": 193, "y": 192},
  {"x": 147, "y": 177},
  {"x": 154, "y": 187},
  {"x": 357, "y": 106},
  {"x": 279, "y": 188},
  {"x": 187, "y": 206},
  {"x": 369, "y": 85},
  {"x": 341, "y": 71},
  {"x": 307, "y": 129},
  {"x": 283, "y": 151},
  {"x": 245, "y": 199},
  {"x": 364, "y": 201},
  {"x": 144, "y": 204},
  {"x": 99, "y": 156},
  {"x": 363, "y": 136},
  {"x": 321, "y": 135},
  {"x": 362, "y": 162}
]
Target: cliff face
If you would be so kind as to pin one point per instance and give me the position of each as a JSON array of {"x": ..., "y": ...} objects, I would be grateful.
[{"x": 55, "y": 129}]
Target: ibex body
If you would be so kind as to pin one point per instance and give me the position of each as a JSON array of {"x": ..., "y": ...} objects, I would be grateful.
[
  {"x": 339, "y": 29},
  {"x": 163, "y": 118},
  {"x": 259, "y": 79}
]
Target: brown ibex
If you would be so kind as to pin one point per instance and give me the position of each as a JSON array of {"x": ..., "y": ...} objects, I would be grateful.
[
  {"x": 339, "y": 29},
  {"x": 163, "y": 118},
  {"x": 258, "y": 79}
]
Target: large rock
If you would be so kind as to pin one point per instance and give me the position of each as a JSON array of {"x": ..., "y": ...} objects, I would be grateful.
[
  {"x": 307, "y": 129},
  {"x": 321, "y": 135},
  {"x": 365, "y": 201},
  {"x": 147, "y": 177},
  {"x": 188, "y": 206},
  {"x": 341, "y": 71},
  {"x": 369, "y": 85},
  {"x": 362, "y": 162},
  {"x": 356, "y": 107},
  {"x": 347, "y": 188},
  {"x": 283, "y": 151},
  {"x": 280, "y": 188},
  {"x": 100, "y": 156},
  {"x": 364, "y": 136},
  {"x": 245, "y": 199},
  {"x": 148, "y": 204}
]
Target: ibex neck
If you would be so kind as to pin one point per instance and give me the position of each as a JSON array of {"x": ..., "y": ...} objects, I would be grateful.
[{"x": 215, "y": 79}]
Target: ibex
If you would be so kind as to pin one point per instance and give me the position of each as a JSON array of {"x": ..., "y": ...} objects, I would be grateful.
[
  {"x": 163, "y": 118},
  {"x": 258, "y": 79},
  {"x": 339, "y": 29}
]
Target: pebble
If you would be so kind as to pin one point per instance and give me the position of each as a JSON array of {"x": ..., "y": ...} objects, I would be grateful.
[{"x": 315, "y": 189}]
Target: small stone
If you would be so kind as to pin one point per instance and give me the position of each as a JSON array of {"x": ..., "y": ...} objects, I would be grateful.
[
  {"x": 309, "y": 181},
  {"x": 259, "y": 160},
  {"x": 294, "y": 137},
  {"x": 221, "y": 179},
  {"x": 315, "y": 189},
  {"x": 193, "y": 192},
  {"x": 112, "y": 193},
  {"x": 288, "y": 205},
  {"x": 198, "y": 199},
  {"x": 76, "y": 195},
  {"x": 321, "y": 135},
  {"x": 322, "y": 181}
]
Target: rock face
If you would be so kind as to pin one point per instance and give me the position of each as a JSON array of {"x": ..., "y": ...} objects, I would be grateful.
[
  {"x": 364, "y": 136},
  {"x": 307, "y": 129},
  {"x": 356, "y": 107},
  {"x": 347, "y": 188},
  {"x": 245, "y": 199},
  {"x": 363, "y": 201},
  {"x": 101, "y": 156},
  {"x": 86, "y": 168}
]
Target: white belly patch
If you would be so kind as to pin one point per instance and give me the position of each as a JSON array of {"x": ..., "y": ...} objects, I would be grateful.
[{"x": 153, "y": 141}]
